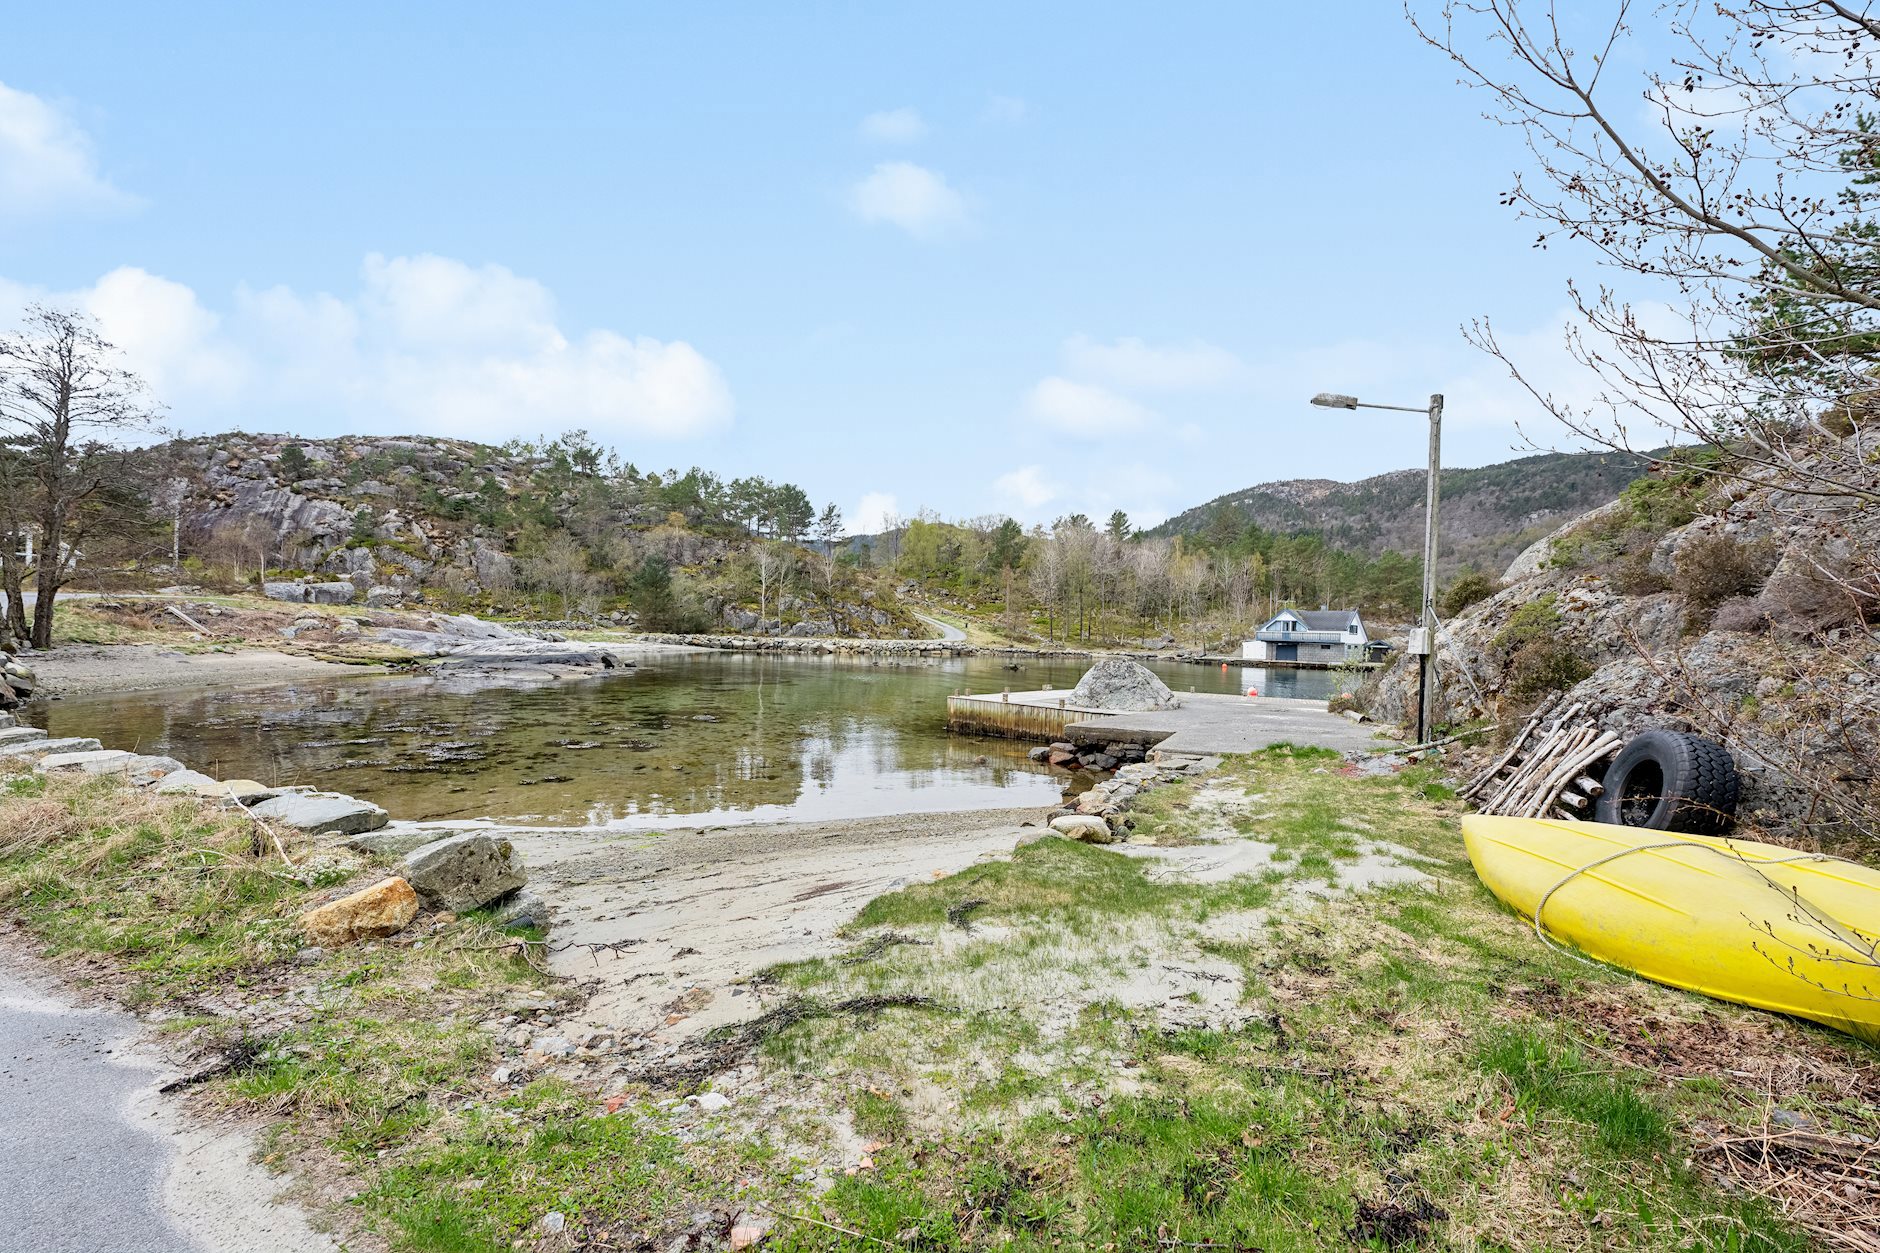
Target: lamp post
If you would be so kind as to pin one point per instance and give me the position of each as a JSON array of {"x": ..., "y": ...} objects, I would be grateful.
[{"x": 1423, "y": 639}]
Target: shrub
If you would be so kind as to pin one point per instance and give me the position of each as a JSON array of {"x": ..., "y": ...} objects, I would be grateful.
[
  {"x": 1714, "y": 568},
  {"x": 1633, "y": 575},
  {"x": 1467, "y": 588},
  {"x": 1743, "y": 614},
  {"x": 1533, "y": 621},
  {"x": 1538, "y": 659},
  {"x": 1544, "y": 665}
]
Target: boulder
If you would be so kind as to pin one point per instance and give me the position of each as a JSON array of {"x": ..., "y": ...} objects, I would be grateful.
[
  {"x": 464, "y": 871},
  {"x": 1086, "y": 827},
  {"x": 8, "y": 721},
  {"x": 294, "y": 593},
  {"x": 134, "y": 767},
  {"x": 383, "y": 597},
  {"x": 194, "y": 783},
  {"x": 92, "y": 761},
  {"x": 521, "y": 908},
  {"x": 385, "y": 908},
  {"x": 323, "y": 811},
  {"x": 33, "y": 750},
  {"x": 392, "y": 842},
  {"x": 11, "y": 734},
  {"x": 331, "y": 593},
  {"x": 1121, "y": 684},
  {"x": 19, "y": 677}
]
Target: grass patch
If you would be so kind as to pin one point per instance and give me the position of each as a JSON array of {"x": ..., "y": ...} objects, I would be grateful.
[
  {"x": 1366, "y": 1078},
  {"x": 370, "y": 1057}
]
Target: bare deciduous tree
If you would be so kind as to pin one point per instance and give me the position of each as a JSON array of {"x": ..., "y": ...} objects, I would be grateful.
[
  {"x": 66, "y": 408},
  {"x": 1744, "y": 190}
]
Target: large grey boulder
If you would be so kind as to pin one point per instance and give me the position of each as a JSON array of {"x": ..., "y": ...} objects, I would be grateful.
[
  {"x": 463, "y": 872},
  {"x": 331, "y": 593},
  {"x": 8, "y": 721},
  {"x": 1121, "y": 684},
  {"x": 323, "y": 811},
  {"x": 10, "y": 734},
  {"x": 294, "y": 593}
]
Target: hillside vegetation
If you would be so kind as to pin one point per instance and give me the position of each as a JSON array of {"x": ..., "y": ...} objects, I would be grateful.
[
  {"x": 556, "y": 529},
  {"x": 1489, "y": 513}
]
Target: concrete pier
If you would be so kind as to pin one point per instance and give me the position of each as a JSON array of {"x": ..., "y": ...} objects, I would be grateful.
[{"x": 1206, "y": 724}]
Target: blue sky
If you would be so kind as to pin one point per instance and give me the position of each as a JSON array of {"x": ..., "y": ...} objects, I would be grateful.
[{"x": 973, "y": 257}]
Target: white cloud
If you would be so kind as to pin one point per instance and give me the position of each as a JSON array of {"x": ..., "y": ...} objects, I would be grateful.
[
  {"x": 1006, "y": 110},
  {"x": 1025, "y": 489},
  {"x": 1085, "y": 409},
  {"x": 894, "y": 126},
  {"x": 46, "y": 162},
  {"x": 1131, "y": 362},
  {"x": 871, "y": 515},
  {"x": 429, "y": 344},
  {"x": 910, "y": 196}
]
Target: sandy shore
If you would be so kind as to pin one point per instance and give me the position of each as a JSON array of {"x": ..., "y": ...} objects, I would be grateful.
[
  {"x": 88, "y": 669},
  {"x": 707, "y": 908},
  {"x": 85, "y": 669}
]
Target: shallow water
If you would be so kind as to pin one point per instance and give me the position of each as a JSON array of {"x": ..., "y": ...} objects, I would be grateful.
[{"x": 683, "y": 739}]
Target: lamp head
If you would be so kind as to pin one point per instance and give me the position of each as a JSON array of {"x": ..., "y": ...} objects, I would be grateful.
[{"x": 1332, "y": 400}]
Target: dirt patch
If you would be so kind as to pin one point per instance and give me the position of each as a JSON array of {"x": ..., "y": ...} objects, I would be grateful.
[{"x": 1778, "y": 1061}]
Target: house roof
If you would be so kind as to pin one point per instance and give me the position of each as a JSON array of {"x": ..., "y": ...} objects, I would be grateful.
[{"x": 1326, "y": 619}]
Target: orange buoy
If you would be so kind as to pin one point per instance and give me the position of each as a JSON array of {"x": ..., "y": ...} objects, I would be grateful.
[
  {"x": 1253, "y": 691},
  {"x": 1223, "y": 665}
]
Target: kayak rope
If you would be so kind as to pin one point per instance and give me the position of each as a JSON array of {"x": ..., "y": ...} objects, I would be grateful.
[{"x": 1730, "y": 853}]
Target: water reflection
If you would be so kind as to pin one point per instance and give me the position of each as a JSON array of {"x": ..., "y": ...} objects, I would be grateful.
[{"x": 684, "y": 739}]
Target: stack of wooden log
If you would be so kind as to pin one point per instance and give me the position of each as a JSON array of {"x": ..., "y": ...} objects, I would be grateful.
[{"x": 1551, "y": 770}]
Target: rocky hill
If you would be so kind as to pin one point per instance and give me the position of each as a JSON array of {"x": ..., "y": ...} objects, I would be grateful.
[
  {"x": 558, "y": 529},
  {"x": 1489, "y": 514},
  {"x": 1739, "y": 608}
]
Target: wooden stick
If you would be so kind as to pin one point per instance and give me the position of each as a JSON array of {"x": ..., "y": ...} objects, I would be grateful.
[{"x": 1482, "y": 780}]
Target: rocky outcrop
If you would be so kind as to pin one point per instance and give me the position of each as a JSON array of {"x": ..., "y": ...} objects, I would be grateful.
[
  {"x": 1120, "y": 684},
  {"x": 1751, "y": 624},
  {"x": 524, "y": 655},
  {"x": 464, "y": 871},
  {"x": 384, "y": 909}
]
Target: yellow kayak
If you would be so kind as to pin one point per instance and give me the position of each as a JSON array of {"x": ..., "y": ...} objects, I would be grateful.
[{"x": 1734, "y": 919}]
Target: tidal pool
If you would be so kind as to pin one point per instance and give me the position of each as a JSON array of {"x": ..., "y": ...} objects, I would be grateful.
[{"x": 683, "y": 739}]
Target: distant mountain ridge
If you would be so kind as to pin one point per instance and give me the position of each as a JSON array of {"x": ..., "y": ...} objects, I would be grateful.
[{"x": 1488, "y": 514}]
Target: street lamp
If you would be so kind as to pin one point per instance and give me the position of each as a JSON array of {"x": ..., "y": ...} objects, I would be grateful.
[{"x": 1423, "y": 639}]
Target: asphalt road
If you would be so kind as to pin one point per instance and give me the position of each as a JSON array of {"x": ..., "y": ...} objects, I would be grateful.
[
  {"x": 948, "y": 634},
  {"x": 91, "y": 1162},
  {"x": 75, "y": 1173}
]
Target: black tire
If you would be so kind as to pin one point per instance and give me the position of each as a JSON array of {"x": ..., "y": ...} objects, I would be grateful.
[{"x": 1671, "y": 781}]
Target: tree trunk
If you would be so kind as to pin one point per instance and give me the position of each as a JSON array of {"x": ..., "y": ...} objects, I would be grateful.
[{"x": 45, "y": 589}]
